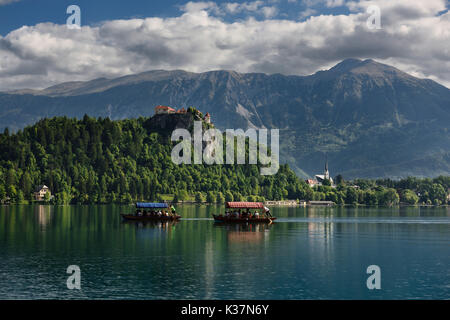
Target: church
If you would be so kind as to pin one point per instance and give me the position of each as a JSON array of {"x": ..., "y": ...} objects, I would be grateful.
[{"x": 319, "y": 178}]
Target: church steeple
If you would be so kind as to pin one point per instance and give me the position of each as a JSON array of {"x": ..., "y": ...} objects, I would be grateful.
[{"x": 326, "y": 174}]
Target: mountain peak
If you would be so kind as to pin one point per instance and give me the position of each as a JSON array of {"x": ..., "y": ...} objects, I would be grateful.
[
  {"x": 368, "y": 67},
  {"x": 346, "y": 65}
]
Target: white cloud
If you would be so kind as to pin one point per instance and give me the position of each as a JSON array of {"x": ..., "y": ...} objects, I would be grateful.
[
  {"x": 236, "y": 7},
  {"x": 5, "y": 2},
  {"x": 198, "y": 40},
  {"x": 269, "y": 12},
  {"x": 307, "y": 13},
  {"x": 335, "y": 3}
]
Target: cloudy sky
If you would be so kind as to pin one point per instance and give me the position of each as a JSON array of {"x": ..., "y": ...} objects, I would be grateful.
[{"x": 116, "y": 38}]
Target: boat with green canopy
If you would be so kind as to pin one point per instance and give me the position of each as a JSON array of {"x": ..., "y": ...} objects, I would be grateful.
[
  {"x": 153, "y": 211},
  {"x": 245, "y": 212}
]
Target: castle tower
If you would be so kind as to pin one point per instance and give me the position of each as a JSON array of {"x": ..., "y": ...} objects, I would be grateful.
[{"x": 207, "y": 118}]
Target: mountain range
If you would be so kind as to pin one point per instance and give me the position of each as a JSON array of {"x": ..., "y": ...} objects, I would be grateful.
[{"x": 369, "y": 119}]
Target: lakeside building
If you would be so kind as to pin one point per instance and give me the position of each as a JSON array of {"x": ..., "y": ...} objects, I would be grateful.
[
  {"x": 281, "y": 203},
  {"x": 312, "y": 182},
  {"x": 325, "y": 176},
  {"x": 319, "y": 178},
  {"x": 164, "y": 110},
  {"x": 322, "y": 203},
  {"x": 40, "y": 192}
]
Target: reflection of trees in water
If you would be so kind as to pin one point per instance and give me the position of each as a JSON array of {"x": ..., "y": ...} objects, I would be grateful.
[{"x": 162, "y": 225}]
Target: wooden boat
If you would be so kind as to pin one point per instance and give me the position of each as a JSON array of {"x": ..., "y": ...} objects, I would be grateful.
[
  {"x": 221, "y": 218},
  {"x": 245, "y": 217},
  {"x": 132, "y": 217},
  {"x": 145, "y": 211}
]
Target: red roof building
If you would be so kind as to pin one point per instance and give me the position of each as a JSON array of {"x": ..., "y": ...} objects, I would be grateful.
[
  {"x": 164, "y": 110},
  {"x": 311, "y": 182}
]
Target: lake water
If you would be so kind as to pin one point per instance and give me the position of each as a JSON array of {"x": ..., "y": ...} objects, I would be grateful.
[{"x": 309, "y": 253}]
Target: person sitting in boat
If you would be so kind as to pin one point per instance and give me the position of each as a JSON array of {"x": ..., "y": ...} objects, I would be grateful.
[
  {"x": 256, "y": 215},
  {"x": 159, "y": 213}
]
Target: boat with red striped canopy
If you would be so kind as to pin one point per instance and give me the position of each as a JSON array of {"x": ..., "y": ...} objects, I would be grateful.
[{"x": 245, "y": 212}]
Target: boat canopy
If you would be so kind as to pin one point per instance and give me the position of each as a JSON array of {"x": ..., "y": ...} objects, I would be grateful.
[
  {"x": 151, "y": 205},
  {"x": 244, "y": 205}
]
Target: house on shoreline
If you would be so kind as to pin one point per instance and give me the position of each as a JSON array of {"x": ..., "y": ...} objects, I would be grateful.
[
  {"x": 281, "y": 203},
  {"x": 40, "y": 192},
  {"x": 322, "y": 203}
]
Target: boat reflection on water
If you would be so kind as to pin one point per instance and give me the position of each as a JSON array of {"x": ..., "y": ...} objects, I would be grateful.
[
  {"x": 245, "y": 233},
  {"x": 163, "y": 225}
]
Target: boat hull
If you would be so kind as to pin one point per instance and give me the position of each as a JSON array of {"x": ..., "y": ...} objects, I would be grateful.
[
  {"x": 223, "y": 219},
  {"x": 130, "y": 217}
]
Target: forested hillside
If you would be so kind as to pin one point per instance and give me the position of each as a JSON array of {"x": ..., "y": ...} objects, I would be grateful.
[{"x": 101, "y": 161}]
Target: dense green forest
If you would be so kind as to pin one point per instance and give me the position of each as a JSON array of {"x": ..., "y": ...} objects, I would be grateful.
[{"x": 103, "y": 161}]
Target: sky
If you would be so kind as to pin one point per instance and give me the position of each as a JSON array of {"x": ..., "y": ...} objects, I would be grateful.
[{"x": 116, "y": 38}]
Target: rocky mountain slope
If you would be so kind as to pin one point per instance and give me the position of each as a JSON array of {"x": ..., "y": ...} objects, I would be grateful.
[{"x": 372, "y": 120}]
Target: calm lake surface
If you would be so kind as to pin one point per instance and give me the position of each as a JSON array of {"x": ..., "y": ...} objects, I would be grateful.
[{"x": 309, "y": 253}]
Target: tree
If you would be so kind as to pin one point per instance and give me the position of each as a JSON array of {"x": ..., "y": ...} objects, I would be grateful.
[
  {"x": 26, "y": 184},
  {"x": 339, "y": 180},
  {"x": 220, "y": 198},
  {"x": 229, "y": 196},
  {"x": 389, "y": 197},
  {"x": 351, "y": 196},
  {"x": 370, "y": 198},
  {"x": 20, "y": 198},
  {"x": 199, "y": 198},
  {"x": 2, "y": 193},
  {"x": 12, "y": 192},
  {"x": 210, "y": 197},
  {"x": 47, "y": 196},
  {"x": 438, "y": 193},
  {"x": 409, "y": 197}
]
